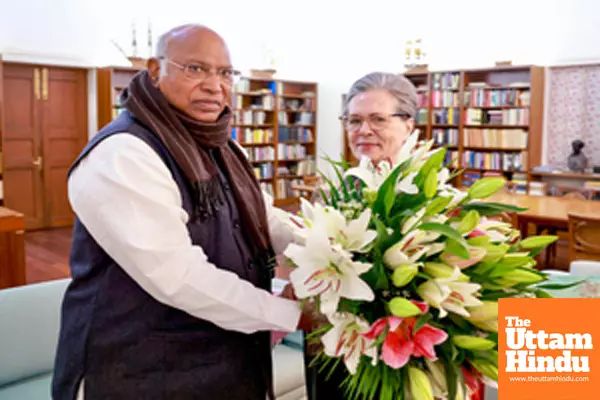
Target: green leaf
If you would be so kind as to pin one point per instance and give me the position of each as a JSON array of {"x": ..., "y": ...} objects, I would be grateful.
[
  {"x": 559, "y": 286},
  {"x": 334, "y": 194},
  {"x": 542, "y": 294},
  {"x": 421, "y": 322},
  {"x": 387, "y": 193},
  {"x": 342, "y": 184},
  {"x": 486, "y": 187},
  {"x": 431, "y": 184},
  {"x": 468, "y": 222},
  {"x": 536, "y": 242},
  {"x": 437, "y": 205},
  {"x": 457, "y": 248},
  {"x": 433, "y": 163},
  {"x": 491, "y": 209},
  {"x": 444, "y": 230}
]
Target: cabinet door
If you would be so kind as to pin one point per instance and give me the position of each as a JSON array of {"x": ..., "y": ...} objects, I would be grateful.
[
  {"x": 64, "y": 133},
  {"x": 22, "y": 145}
]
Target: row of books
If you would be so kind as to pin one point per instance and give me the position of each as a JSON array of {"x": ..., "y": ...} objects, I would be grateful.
[
  {"x": 422, "y": 117},
  {"x": 513, "y": 116},
  {"x": 267, "y": 187},
  {"x": 304, "y": 104},
  {"x": 300, "y": 118},
  {"x": 252, "y": 135},
  {"x": 301, "y": 168},
  {"x": 495, "y": 138},
  {"x": 250, "y": 117},
  {"x": 266, "y": 101},
  {"x": 500, "y": 161},
  {"x": 422, "y": 100},
  {"x": 263, "y": 154},
  {"x": 446, "y": 80},
  {"x": 263, "y": 171},
  {"x": 446, "y": 116},
  {"x": 295, "y": 134},
  {"x": 445, "y": 137},
  {"x": 285, "y": 188},
  {"x": 451, "y": 159},
  {"x": 442, "y": 98},
  {"x": 291, "y": 151},
  {"x": 497, "y": 98}
]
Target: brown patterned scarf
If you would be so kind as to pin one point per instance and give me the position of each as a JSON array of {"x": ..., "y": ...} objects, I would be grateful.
[{"x": 189, "y": 142}]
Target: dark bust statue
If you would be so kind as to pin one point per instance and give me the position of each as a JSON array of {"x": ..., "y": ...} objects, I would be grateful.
[{"x": 577, "y": 161}]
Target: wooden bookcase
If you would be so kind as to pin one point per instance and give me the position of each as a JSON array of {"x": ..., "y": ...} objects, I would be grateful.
[
  {"x": 275, "y": 121},
  {"x": 110, "y": 82},
  {"x": 490, "y": 119}
]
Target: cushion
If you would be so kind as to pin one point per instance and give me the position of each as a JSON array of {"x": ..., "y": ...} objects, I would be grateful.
[
  {"x": 295, "y": 340},
  {"x": 288, "y": 371},
  {"x": 37, "y": 388},
  {"x": 29, "y": 327},
  {"x": 589, "y": 286}
]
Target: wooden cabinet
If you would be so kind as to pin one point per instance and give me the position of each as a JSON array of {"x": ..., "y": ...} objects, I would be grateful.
[
  {"x": 12, "y": 249},
  {"x": 45, "y": 128},
  {"x": 110, "y": 83}
]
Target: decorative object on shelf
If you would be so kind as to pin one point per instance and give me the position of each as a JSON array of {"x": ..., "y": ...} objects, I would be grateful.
[
  {"x": 263, "y": 73},
  {"x": 503, "y": 63},
  {"x": 577, "y": 161},
  {"x": 415, "y": 56}
]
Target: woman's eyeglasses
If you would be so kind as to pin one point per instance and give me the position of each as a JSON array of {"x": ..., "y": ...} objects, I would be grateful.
[
  {"x": 199, "y": 72},
  {"x": 375, "y": 121}
]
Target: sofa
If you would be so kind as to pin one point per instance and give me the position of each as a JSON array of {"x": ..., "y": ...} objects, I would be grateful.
[{"x": 29, "y": 326}]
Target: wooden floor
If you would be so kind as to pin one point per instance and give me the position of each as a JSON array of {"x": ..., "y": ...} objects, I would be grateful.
[{"x": 48, "y": 255}]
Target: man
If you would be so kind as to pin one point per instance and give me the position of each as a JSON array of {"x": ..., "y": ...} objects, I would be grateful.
[{"x": 171, "y": 250}]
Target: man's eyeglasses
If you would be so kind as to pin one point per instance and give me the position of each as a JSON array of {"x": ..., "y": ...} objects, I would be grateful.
[
  {"x": 375, "y": 121},
  {"x": 200, "y": 72}
]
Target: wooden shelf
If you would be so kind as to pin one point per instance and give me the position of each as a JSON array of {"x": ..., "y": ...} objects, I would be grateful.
[
  {"x": 277, "y": 118},
  {"x": 445, "y": 98},
  {"x": 110, "y": 82}
]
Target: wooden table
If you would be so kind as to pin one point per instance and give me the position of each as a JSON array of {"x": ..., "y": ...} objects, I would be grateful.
[
  {"x": 546, "y": 210},
  {"x": 12, "y": 248}
]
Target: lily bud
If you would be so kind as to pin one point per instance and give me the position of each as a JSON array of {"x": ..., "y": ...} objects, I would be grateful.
[
  {"x": 473, "y": 342},
  {"x": 404, "y": 274},
  {"x": 489, "y": 310},
  {"x": 536, "y": 242},
  {"x": 476, "y": 254},
  {"x": 469, "y": 222},
  {"x": 419, "y": 384},
  {"x": 486, "y": 187},
  {"x": 490, "y": 325},
  {"x": 431, "y": 184},
  {"x": 522, "y": 276},
  {"x": 486, "y": 368},
  {"x": 437, "y": 377},
  {"x": 438, "y": 270},
  {"x": 401, "y": 307}
]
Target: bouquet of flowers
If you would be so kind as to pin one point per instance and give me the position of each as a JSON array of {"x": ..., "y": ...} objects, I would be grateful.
[{"x": 408, "y": 270}]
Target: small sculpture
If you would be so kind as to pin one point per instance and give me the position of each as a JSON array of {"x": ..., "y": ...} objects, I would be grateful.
[{"x": 577, "y": 161}]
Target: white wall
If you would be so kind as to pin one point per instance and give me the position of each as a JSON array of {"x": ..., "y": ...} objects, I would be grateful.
[{"x": 332, "y": 42}]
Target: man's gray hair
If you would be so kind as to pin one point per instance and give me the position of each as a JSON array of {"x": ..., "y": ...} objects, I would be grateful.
[{"x": 397, "y": 85}]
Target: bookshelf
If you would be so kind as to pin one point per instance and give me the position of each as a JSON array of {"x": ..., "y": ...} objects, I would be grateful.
[
  {"x": 110, "y": 82},
  {"x": 490, "y": 119},
  {"x": 275, "y": 121}
]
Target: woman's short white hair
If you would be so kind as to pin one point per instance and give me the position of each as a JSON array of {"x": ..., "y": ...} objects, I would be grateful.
[{"x": 397, "y": 85}]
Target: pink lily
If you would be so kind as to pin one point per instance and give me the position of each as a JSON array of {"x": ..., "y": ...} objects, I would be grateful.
[
  {"x": 476, "y": 254},
  {"x": 401, "y": 343}
]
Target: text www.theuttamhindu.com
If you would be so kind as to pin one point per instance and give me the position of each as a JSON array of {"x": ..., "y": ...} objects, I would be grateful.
[{"x": 549, "y": 379}]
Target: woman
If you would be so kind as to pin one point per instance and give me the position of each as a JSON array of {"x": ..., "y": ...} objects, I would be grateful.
[{"x": 379, "y": 116}]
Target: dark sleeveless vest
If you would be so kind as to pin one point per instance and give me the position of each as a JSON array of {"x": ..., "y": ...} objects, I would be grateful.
[{"x": 126, "y": 345}]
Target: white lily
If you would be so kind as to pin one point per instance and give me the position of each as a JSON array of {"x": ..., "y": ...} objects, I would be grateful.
[
  {"x": 407, "y": 148},
  {"x": 497, "y": 231},
  {"x": 346, "y": 339},
  {"x": 448, "y": 294},
  {"x": 443, "y": 177},
  {"x": 327, "y": 271},
  {"x": 407, "y": 184},
  {"x": 352, "y": 235},
  {"x": 371, "y": 175},
  {"x": 410, "y": 249}
]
